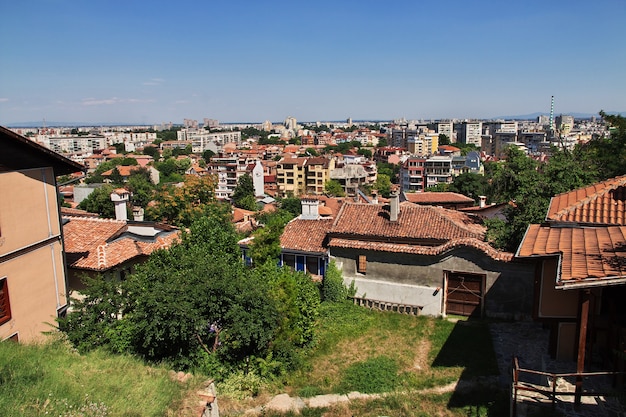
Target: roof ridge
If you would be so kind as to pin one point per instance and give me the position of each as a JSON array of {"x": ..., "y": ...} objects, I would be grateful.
[{"x": 607, "y": 186}]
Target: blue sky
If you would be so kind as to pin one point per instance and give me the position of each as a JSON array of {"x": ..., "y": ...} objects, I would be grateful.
[{"x": 156, "y": 61}]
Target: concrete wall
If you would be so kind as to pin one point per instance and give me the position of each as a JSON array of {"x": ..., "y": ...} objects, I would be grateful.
[{"x": 420, "y": 280}]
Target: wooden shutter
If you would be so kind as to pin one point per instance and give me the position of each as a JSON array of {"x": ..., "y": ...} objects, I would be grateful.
[{"x": 362, "y": 264}]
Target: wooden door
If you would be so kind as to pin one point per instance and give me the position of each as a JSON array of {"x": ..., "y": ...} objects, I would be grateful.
[{"x": 464, "y": 294}]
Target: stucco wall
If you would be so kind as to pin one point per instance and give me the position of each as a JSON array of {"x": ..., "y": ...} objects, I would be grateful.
[
  {"x": 414, "y": 279},
  {"x": 31, "y": 256}
]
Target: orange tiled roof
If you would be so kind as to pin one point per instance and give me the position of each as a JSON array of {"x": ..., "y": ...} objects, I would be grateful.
[
  {"x": 306, "y": 235},
  {"x": 429, "y": 197},
  {"x": 600, "y": 203},
  {"x": 422, "y": 250},
  {"x": 587, "y": 254},
  {"x": 99, "y": 244},
  {"x": 415, "y": 222},
  {"x": 124, "y": 170}
]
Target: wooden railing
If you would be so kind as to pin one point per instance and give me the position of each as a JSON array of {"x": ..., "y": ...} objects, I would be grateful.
[{"x": 550, "y": 392}]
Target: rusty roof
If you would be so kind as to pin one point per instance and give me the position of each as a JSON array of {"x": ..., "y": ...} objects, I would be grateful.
[
  {"x": 101, "y": 244},
  {"x": 600, "y": 203},
  {"x": 588, "y": 255}
]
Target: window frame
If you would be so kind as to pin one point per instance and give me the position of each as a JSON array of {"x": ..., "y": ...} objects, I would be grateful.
[{"x": 5, "y": 302}]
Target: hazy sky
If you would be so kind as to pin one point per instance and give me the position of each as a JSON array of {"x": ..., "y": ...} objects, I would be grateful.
[{"x": 131, "y": 61}]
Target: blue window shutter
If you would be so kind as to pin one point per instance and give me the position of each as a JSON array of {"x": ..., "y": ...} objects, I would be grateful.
[{"x": 300, "y": 263}]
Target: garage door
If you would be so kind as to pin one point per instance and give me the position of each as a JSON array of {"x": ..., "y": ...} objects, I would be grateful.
[{"x": 464, "y": 294}]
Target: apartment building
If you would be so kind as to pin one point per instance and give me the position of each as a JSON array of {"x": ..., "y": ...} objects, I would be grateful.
[
  {"x": 412, "y": 174},
  {"x": 300, "y": 176},
  {"x": 438, "y": 170},
  {"x": 469, "y": 132}
]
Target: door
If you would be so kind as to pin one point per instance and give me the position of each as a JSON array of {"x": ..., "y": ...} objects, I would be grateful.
[{"x": 464, "y": 294}]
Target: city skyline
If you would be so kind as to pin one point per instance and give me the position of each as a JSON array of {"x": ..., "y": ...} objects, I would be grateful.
[{"x": 122, "y": 62}]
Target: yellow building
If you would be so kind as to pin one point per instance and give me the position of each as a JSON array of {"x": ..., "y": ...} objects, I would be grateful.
[
  {"x": 33, "y": 280},
  {"x": 303, "y": 175}
]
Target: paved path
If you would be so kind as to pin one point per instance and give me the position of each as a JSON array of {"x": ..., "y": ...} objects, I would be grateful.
[{"x": 529, "y": 342}]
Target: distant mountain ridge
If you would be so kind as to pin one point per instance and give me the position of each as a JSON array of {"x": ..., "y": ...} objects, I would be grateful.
[{"x": 530, "y": 116}]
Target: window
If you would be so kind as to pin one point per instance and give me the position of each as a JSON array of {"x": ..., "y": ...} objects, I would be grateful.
[
  {"x": 361, "y": 264},
  {"x": 5, "y": 306}
]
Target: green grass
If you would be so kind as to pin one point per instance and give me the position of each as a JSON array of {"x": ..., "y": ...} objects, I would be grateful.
[
  {"x": 51, "y": 380},
  {"x": 383, "y": 352}
]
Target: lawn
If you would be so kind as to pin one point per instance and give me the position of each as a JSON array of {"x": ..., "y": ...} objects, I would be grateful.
[
  {"x": 411, "y": 360},
  {"x": 50, "y": 379}
]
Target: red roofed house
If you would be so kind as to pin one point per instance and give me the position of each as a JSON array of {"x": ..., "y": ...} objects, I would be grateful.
[
  {"x": 33, "y": 278},
  {"x": 110, "y": 247},
  {"x": 580, "y": 257},
  {"x": 449, "y": 200},
  {"x": 422, "y": 259}
]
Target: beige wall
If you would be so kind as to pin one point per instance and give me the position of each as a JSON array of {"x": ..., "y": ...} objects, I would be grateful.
[
  {"x": 28, "y": 208},
  {"x": 31, "y": 256}
]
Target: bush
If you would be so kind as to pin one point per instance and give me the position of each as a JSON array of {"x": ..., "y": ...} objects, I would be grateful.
[{"x": 333, "y": 289}]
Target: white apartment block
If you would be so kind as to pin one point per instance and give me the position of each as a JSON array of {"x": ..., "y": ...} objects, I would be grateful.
[{"x": 202, "y": 140}]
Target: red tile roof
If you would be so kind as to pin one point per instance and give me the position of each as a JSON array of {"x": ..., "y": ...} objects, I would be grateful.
[
  {"x": 415, "y": 222},
  {"x": 422, "y": 250},
  {"x": 99, "y": 244},
  {"x": 588, "y": 255},
  {"x": 306, "y": 235},
  {"x": 433, "y": 198},
  {"x": 600, "y": 203}
]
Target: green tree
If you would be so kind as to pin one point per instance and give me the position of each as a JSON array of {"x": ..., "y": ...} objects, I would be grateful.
[
  {"x": 382, "y": 142},
  {"x": 243, "y": 194},
  {"x": 207, "y": 155},
  {"x": 334, "y": 188},
  {"x": 444, "y": 139},
  {"x": 182, "y": 205},
  {"x": 383, "y": 185},
  {"x": 115, "y": 177},
  {"x": 333, "y": 288},
  {"x": 470, "y": 184},
  {"x": 265, "y": 247},
  {"x": 141, "y": 187},
  {"x": 365, "y": 152},
  {"x": 120, "y": 148},
  {"x": 153, "y": 151},
  {"x": 291, "y": 204},
  {"x": 99, "y": 201},
  {"x": 311, "y": 152}
]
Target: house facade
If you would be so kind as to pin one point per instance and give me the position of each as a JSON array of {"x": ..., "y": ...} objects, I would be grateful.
[
  {"x": 423, "y": 259},
  {"x": 580, "y": 273},
  {"x": 33, "y": 280}
]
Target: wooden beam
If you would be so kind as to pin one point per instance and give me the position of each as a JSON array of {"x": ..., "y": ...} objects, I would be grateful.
[{"x": 583, "y": 319}]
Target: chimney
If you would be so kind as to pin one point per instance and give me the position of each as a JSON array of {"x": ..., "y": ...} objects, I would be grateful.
[
  {"x": 374, "y": 196},
  {"x": 120, "y": 197},
  {"x": 138, "y": 214},
  {"x": 482, "y": 201},
  {"x": 394, "y": 205},
  {"x": 310, "y": 209}
]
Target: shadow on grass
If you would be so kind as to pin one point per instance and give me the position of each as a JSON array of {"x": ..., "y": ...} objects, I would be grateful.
[{"x": 468, "y": 346}]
